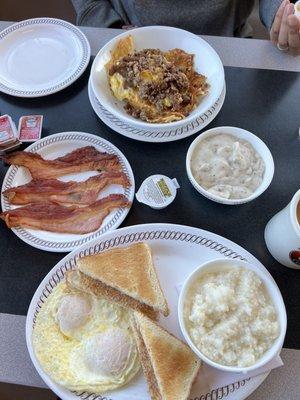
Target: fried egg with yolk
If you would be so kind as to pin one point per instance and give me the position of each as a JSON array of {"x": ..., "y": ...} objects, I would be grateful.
[{"x": 84, "y": 342}]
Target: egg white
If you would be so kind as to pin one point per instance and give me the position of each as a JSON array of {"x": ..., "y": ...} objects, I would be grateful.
[
  {"x": 92, "y": 379},
  {"x": 61, "y": 356}
]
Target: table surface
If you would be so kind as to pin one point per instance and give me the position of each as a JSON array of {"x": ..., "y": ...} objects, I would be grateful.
[{"x": 280, "y": 134}]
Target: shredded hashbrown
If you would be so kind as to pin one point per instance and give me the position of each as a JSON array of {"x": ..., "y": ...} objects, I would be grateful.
[{"x": 156, "y": 86}]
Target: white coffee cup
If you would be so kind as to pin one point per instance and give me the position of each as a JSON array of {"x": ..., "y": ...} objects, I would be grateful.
[{"x": 282, "y": 235}]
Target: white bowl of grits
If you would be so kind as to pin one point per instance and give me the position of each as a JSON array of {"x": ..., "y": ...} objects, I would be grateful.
[
  {"x": 232, "y": 315},
  {"x": 124, "y": 91},
  {"x": 229, "y": 165}
]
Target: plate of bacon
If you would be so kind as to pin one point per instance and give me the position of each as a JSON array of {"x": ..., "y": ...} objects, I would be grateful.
[{"x": 65, "y": 190}]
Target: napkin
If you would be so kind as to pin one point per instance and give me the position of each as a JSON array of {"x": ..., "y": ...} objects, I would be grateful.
[{"x": 211, "y": 378}]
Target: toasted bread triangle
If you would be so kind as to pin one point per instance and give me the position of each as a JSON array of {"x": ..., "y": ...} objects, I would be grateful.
[
  {"x": 169, "y": 365},
  {"x": 79, "y": 281},
  {"x": 130, "y": 271}
]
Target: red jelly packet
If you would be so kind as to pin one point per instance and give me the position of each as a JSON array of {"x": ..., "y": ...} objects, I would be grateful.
[
  {"x": 8, "y": 132},
  {"x": 30, "y": 128}
]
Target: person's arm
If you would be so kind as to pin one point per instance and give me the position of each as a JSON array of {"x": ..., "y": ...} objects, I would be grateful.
[
  {"x": 99, "y": 13},
  {"x": 284, "y": 25},
  {"x": 267, "y": 11}
]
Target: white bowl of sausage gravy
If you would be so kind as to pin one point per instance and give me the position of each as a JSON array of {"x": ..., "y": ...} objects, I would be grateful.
[{"x": 229, "y": 165}]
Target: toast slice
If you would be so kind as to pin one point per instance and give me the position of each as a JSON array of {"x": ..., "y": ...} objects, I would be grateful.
[
  {"x": 126, "y": 276},
  {"x": 169, "y": 365},
  {"x": 78, "y": 280}
]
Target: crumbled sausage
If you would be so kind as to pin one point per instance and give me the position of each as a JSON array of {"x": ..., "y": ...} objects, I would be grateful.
[{"x": 159, "y": 82}]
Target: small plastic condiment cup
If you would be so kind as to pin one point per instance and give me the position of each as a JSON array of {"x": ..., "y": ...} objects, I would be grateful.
[
  {"x": 157, "y": 191},
  {"x": 258, "y": 145},
  {"x": 223, "y": 264}
]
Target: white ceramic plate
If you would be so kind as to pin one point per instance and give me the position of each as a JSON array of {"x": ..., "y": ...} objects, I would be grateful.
[
  {"x": 206, "y": 62},
  {"x": 177, "y": 250},
  {"x": 56, "y": 146},
  {"x": 153, "y": 135},
  {"x": 41, "y": 56}
]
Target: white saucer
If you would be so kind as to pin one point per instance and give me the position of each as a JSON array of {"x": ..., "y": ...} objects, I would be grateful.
[
  {"x": 41, "y": 56},
  {"x": 155, "y": 136}
]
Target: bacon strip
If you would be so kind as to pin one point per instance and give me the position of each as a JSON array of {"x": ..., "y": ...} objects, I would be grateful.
[
  {"x": 57, "y": 218},
  {"x": 55, "y": 191},
  {"x": 83, "y": 159}
]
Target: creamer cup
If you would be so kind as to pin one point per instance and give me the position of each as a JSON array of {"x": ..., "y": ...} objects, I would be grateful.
[{"x": 157, "y": 191}]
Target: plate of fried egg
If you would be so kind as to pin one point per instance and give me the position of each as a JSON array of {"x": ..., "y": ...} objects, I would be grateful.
[{"x": 103, "y": 324}]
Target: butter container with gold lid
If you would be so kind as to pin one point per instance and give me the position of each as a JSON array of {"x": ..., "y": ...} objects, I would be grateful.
[{"x": 157, "y": 191}]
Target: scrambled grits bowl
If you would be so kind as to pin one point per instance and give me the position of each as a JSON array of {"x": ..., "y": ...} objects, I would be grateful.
[
  {"x": 231, "y": 318},
  {"x": 232, "y": 314},
  {"x": 84, "y": 343},
  {"x": 156, "y": 86}
]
